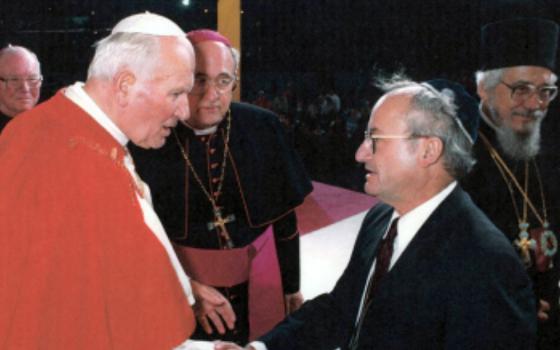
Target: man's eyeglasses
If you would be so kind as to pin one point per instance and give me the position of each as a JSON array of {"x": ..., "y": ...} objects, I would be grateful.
[
  {"x": 371, "y": 139},
  {"x": 15, "y": 83},
  {"x": 222, "y": 83},
  {"x": 522, "y": 92}
]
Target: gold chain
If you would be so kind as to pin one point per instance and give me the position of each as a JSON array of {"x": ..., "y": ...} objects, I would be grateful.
[
  {"x": 223, "y": 167},
  {"x": 541, "y": 187},
  {"x": 506, "y": 172}
]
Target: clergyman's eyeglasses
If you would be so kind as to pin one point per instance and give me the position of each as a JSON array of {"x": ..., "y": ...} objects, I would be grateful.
[
  {"x": 222, "y": 83},
  {"x": 523, "y": 91}
]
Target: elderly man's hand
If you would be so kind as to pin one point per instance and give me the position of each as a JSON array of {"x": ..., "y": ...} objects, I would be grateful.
[
  {"x": 212, "y": 306},
  {"x": 293, "y": 302},
  {"x": 219, "y": 345}
]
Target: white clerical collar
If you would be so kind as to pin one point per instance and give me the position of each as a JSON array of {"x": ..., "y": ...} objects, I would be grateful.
[
  {"x": 79, "y": 96},
  {"x": 202, "y": 132}
]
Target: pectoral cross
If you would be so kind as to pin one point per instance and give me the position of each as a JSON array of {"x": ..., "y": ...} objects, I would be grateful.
[
  {"x": 219, "y": 224},
  {"x": 525, "y": 244}
]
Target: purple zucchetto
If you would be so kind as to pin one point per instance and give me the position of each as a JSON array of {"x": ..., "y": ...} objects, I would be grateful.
[{"x": 200, "y": 35}]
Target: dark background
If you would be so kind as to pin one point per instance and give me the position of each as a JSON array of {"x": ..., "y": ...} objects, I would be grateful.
[
  {"x": 314, "y": 43},
  {"x": 303, "y": 49}
]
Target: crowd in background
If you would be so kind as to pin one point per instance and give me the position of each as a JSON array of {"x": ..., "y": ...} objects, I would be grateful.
[{"x": 326, "y": 128}]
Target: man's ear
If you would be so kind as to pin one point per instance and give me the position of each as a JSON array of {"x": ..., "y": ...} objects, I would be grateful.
[
  {"x": 123, "y": 82},
  {"x": 431, "y": 150},
  {"x": 482, "y": 92}
]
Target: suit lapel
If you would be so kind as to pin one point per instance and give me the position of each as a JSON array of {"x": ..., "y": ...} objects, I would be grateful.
[
  {"x": 370, "y": 239},
  {"x": 427, "y": 241}
]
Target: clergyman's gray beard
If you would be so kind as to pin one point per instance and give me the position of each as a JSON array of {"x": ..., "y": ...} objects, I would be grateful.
[{"x": 520, "y": 146}]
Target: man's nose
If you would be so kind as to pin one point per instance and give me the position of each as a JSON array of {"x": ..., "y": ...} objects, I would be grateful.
[
  {"x": 363, "y": 152},
  {"x": 534, "y": 102},
  {"x": 211, "y": 92},
  {"x": 25, "y": 85},
  {"x": 183, "y": 111}
]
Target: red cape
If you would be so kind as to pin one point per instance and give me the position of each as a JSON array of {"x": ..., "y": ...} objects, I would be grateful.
[{"x": 79, "y": 269}]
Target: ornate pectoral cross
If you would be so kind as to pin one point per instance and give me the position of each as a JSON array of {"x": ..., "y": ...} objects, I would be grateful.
[
  {"x": 219, "y": 224},
  {"x": 547, "y": 246},
  {"x": 525, "y": 244}
]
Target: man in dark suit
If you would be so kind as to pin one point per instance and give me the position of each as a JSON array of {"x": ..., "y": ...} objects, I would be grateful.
[{"x": 453, "y": 279}]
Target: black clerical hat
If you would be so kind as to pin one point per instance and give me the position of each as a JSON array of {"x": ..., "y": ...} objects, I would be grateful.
[
  {"x": 519, "y": 42},
  {"x": 468, "y": 116}
]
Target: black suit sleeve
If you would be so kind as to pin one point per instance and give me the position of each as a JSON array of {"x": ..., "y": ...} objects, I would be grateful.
[
  {"x": 286, "y": 237},
  {"x": 314, "y": 326},
  {"x": 327, "y": 321},
  {"x": 497, "y": 310}
]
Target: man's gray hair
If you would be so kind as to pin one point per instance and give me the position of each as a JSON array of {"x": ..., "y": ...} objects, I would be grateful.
[
  {"x": 135, "y": 51},
  {"x": 437, "y": 117},
  {"x": 489, "y": 78},
  {"x": 236, "y": 61},
  {"x": 15, "y": 49}
]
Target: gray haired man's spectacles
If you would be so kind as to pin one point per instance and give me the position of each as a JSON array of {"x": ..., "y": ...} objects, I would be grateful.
[
  {"x": 522, "y": 92},
  {"x": 371, "y": 139},
  {"x": 15, "y": 83}
]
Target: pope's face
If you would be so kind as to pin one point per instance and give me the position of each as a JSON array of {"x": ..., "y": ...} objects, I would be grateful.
[{"x": 160, "y": 100}]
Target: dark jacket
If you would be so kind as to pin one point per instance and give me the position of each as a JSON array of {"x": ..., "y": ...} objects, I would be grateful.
[{"x": 458, "y": 285}]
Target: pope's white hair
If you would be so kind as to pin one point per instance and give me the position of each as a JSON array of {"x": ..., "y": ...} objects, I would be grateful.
[{"x": 134, "y": 51}]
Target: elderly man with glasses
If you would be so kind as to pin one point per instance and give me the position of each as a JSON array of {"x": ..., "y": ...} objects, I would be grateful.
[
  {"x": 225, "y": 188},
  {"x": 516, "y": 178},
  {"x": 20, "y": 82}
]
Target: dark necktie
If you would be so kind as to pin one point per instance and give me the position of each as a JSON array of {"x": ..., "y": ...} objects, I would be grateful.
[{"x": 382, "y": 262}]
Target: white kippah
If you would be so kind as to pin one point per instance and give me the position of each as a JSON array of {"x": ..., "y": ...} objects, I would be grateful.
[{"x": 148, "y": 23}]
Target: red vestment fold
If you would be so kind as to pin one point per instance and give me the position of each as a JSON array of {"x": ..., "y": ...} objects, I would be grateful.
[{"x": 79, "y": 268}]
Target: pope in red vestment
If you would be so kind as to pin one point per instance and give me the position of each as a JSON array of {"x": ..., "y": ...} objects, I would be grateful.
[{"x": 79, "y": 268}]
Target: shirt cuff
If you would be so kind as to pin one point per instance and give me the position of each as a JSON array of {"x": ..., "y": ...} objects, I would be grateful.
[
  {"x": 195, "y": 345},
  {"x": 258, "y": 345}
]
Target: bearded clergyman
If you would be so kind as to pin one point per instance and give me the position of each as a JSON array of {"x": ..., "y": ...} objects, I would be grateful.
[{"x": 516, "y": 179}]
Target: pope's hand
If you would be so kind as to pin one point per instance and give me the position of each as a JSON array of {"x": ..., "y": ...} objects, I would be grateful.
[{"x": 219, "y": 345}]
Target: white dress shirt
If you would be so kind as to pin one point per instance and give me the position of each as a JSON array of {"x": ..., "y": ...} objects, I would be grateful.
[{"x": 407, "y": 227}]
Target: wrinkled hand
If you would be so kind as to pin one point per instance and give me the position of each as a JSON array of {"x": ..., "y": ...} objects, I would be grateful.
[
  {"x": 544, "y": 307},
  {"x": 219, "y": 345},
  {"x": 212, "y": 306},
  {"x": 293, "y": 302}
]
